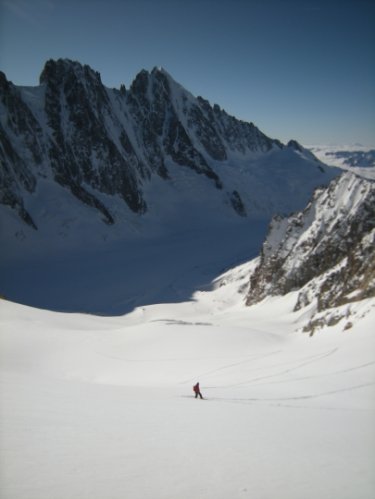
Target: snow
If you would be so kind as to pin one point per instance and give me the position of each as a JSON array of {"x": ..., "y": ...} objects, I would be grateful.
[
  {"x": 118, "y": 275},
  {"x": 102, "y": 407},
  {"x": 338, "y": 156}
]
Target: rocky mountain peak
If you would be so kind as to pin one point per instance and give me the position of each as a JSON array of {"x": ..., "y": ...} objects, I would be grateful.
[
  {"x": 140, "y": 82},
  {"x": 57, "y": 71},
  {"x": 3, "y": 80},
  {"x": 295, "y": 145},
  {"x": 105, "y": 146},
  {"x": 148, "y": 88},
  {"x": 162, "y": 74}
]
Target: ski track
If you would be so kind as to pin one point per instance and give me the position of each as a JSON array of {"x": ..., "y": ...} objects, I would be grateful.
[
  {"x": 343, "y": 371},
  {"x": 228, "y": 366},
  {"x": 311, "y": 360},
  {"x": 297, "y": 397}
]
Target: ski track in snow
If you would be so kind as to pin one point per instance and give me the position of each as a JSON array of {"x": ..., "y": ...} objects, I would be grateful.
[
  {"x": 91, "y": 405},
  {"x": 229, "y": 366},
  {"x": 335, "y": 373},
  {"x": 300, "y": 397},
  {"x": 310, "y": 360}
]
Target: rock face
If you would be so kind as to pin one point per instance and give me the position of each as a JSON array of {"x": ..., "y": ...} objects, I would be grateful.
[
  {"x": 15, "y": 173},
  {"x": 97, "y": 143},
  {"x": 326, "y": 252}
]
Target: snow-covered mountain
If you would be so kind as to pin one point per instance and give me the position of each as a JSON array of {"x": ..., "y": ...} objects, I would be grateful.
[
  {"x": 325, "y": 252},
  {"x": 354, "y": 158},
  {"x": 75, "y": 154}
]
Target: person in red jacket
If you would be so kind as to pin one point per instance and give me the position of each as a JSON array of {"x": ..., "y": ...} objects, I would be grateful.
[{"x": 197, "y": 391}]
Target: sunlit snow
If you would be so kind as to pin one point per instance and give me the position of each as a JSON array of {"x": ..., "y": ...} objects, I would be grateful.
[{"x": 100, "y": 407}]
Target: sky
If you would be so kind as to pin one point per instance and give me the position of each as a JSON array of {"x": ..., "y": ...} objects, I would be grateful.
[{"x": 301, "y": 69}]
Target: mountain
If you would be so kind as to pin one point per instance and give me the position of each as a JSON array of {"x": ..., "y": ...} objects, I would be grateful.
[
  {"x": 361, "y": 159},
  {"x": 325, "y": 253},
  {"x": 356, "y": 158},
  {"x": 77, "y": 156},
  {"x": 177, "y": 193}
]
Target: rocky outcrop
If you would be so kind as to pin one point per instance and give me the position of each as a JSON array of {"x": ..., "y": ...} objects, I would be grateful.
[{"x": 325, "y": 252}]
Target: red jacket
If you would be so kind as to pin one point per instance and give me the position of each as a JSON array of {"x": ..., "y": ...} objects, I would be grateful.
[{"x": 196, "y": 388}]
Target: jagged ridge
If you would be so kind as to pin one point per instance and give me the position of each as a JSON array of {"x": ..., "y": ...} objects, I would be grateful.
[
  {"x": 91, "y": 139},
  {"x": 326, "y": 251}
]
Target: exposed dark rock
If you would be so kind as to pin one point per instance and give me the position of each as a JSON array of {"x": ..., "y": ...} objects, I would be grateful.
[
  {"x": 327, "y": 252},
  {"x": 237, "y": 203},
  {"x": 86, "y": 153}
]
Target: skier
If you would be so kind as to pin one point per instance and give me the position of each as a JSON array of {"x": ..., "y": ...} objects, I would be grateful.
[{"x": 197, "y": 391}]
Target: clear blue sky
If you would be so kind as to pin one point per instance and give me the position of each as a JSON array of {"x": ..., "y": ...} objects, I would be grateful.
[{"x": 301, "y": 69}]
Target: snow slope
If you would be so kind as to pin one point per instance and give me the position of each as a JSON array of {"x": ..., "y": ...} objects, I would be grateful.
[
  {"x": 102, "y": 408},
  {"x": 113, "y": 278}
]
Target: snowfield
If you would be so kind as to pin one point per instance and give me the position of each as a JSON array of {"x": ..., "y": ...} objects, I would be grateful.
[{"x": 102, "y": 407}]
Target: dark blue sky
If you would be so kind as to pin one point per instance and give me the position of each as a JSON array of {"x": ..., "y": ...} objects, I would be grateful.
[{"x": 296, "y": 68}]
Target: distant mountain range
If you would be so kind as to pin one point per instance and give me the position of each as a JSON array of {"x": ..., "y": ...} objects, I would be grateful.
[
  {"x": 355, "y": 156},
  {"x": 75, "y": 153}
]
